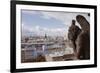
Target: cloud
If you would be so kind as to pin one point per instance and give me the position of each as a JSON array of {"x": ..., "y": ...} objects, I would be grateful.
[
  {"x": 29, "y": 12},
  {"x": 51, "y": 32},
  {"x": 66, "y": 18},
  {"x": 43, "y": 30}
]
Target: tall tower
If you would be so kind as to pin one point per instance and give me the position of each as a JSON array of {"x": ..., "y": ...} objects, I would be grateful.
[{"x": 45, "y": 36}]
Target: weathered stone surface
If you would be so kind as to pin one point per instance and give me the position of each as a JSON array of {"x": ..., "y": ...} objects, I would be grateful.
[
  {"x": 83, "y": 40},
  {"x": 73, "y": 33},
  {"x": 80, "y": 38},
  {"x": 83, "y": 46},
  {"x": 83, "y": 22}
]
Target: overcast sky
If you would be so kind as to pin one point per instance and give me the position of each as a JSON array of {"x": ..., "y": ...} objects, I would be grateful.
[{"x": 47, "y": 22}]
